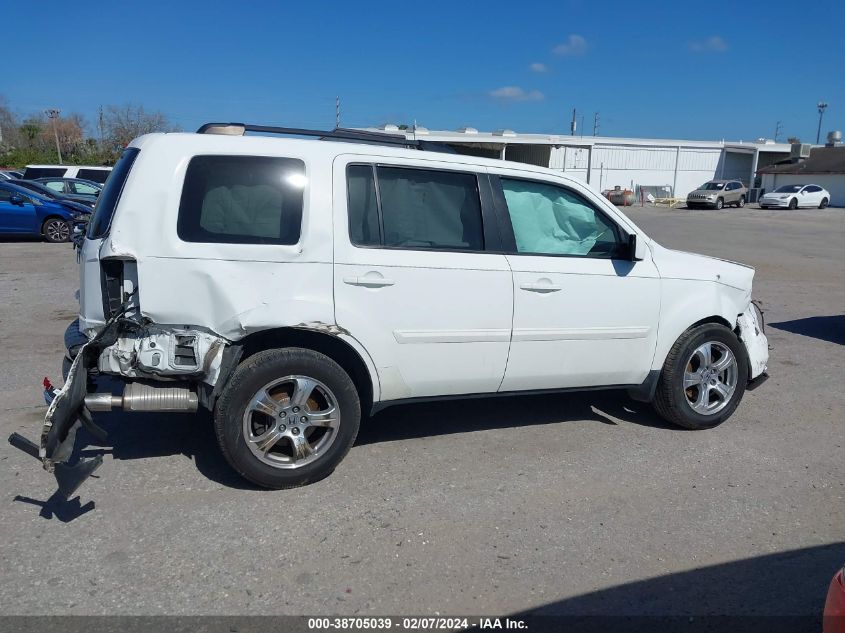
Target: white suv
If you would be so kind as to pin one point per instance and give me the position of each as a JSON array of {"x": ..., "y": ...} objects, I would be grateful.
[{"x": 294, "y": 286}]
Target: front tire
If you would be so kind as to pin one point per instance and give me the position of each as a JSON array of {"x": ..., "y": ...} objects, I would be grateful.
[
  {"x": 55, "y": 230},
  {"x": 719, "y": 204},
  {"x": 793, "y": 204},
  {"x": 287, "y": 417},
  {"x": 823, "y": 204},
  {"x": 703, "y": 378}
]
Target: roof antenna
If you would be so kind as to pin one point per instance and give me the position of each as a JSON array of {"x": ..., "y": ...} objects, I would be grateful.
[{"x": 337, "y": 112}]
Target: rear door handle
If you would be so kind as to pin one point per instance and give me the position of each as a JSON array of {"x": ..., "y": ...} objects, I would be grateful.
[
  {"x": 368, "y": 281},
  {"x": 542, "y": 286}
]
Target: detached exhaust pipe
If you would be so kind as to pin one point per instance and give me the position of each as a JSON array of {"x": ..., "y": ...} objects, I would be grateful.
[{"x": 141, "y": 397}]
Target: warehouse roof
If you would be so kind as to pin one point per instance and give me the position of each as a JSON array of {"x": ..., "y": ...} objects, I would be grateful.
[
  {"x": 822, "y": 160},
  {"x": 509, "y": 137}
]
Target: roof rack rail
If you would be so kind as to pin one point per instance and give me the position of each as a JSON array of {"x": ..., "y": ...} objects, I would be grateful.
[
  {"x": 239, "y": 129},
  {"x": 337, "y": 134}
]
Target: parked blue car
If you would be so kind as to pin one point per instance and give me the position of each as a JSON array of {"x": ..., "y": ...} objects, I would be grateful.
[{"x": 24, "y": 212}]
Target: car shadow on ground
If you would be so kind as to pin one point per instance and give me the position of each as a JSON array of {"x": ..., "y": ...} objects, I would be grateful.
[
  {"x": 773, "y": 593},
  {"x": 147, "y": 435},
  {"x": 825, "y": 328},
  {"x": 463, "y": 415}
]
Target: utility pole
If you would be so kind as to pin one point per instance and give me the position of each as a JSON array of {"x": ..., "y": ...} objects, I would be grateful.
[
  {"x": 101, "y": 125},
  {"x": 337, "y": 112},
  {"x": 596, "y": 124},
  {"x": 574, "y": 125},
  {"x": 53, "y": 113},
  {"x": 822, "y": 107},
  {"x": 778, "y": 130}
]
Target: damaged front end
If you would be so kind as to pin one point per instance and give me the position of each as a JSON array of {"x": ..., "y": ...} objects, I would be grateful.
[{"x": 163, "y": 370}]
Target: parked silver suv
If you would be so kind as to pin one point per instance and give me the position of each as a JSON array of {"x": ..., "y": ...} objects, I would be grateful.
[{"x": 717, "y": 194}]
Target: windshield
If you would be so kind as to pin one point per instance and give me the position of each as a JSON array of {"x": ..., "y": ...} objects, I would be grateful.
[
  {"x": 713, "y": 186},
  {"x": 789, "y": 189}
]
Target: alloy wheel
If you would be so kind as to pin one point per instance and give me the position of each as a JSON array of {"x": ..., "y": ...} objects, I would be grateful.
[
  {"x": 710, "y": 378},
  {"x": 291, "y": 422}
]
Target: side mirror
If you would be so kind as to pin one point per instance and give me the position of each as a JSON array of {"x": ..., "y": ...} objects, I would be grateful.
[
  {"x": 16, "y": 199},
  {"x": 803, "y": 192},
  {"x": 636, "y": 248}
]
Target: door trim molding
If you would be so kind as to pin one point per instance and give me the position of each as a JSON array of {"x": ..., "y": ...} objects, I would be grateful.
[{"x": 579, "y": 334}]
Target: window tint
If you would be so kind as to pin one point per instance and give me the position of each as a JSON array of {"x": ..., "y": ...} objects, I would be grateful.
[
  {"x": 56, "y": 185},
  {"x": 107, "y": 202},
  {"x": 242, "y": 200},
  {"x": 31, "y": 173},
  {"x": 5, "y": 195},
  {"x": 550, "y": 220},
  {"x": 363, "y": 206},
  {"x": 429, "y": 209},
  {"x": 97, "y": 175},
  {"x": 812, "y": 189}
]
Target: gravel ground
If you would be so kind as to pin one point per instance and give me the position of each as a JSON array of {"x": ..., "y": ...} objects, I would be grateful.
[{"x": 570, "y": 503}]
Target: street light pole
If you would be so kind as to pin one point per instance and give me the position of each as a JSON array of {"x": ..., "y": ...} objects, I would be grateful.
[
  {"x": 822, "y": 106},
  {"x": 53, "y": 113}
]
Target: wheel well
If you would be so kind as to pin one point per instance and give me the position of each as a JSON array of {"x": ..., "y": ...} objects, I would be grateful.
[
  {"x": 711, "y": 319},
  {"x": 335, "y": 348},
  {"x": 52, "y": 217}
]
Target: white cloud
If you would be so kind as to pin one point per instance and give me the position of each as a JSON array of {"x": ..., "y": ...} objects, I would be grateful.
[
  {"x": 515, "y": 93},
  {"x": 538, "y": 67},
  {"x": 712, "y": 44},
  {"x": 573, "y": 46}
]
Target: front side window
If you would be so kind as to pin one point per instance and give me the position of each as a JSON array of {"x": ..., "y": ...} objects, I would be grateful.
[
  {"x": 401, "y": 207},
  {"x": 56, "y": 185},
  {"x": 242, "y": 200},
  {"x": 551, "y": 220},
  {"x": 97, "y": 175}
]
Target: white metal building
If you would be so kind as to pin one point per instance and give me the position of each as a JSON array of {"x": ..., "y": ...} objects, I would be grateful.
[{"x": 607, "y": 162}]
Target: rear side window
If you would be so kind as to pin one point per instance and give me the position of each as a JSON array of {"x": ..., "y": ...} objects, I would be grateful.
[
  {"x": 242, "y": 200},
  {"x": 107, "y": 201},
  {"x": 97, "y": 175},
  {"x": 32, "y": 173},
  {"x": 414, "y": 208}
]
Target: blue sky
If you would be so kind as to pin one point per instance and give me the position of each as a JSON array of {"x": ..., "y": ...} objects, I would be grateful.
[{"x": 652, "y": 69}]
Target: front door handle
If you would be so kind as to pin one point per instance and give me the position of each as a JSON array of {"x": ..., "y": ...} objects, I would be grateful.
[
  {"x": 543, "y": 285},
  {"x": 369, "y": 280}
]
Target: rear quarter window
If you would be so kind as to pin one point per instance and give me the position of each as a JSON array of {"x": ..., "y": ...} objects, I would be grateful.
[{"x": 242, "y": 200}]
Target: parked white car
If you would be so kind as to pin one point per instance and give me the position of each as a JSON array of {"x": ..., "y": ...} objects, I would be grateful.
[
  {"x": 795, "y": 196},
  {"x": 295, "y": 286},
  {"x": 93, "y": 173}
]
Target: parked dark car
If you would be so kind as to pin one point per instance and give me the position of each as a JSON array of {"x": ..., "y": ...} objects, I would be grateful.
[
  {"x": 40, "y": 188},
  {"x": 10, "y": 174},
  {"x": 24, "y": 212},
  {"x": 73, "y": 187}
]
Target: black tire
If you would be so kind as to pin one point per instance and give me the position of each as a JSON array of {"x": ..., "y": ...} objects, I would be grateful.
[
  {"x": 763, "y": 206},
  {"x": 793, "y": 204},
  {"x": 741, "y": 202},
  {"x": 719, "y": 204},
  {"x": 670, "y": 399},
  {"x": 691, "y": 206},
  {"x": 56, "y": 230},
  {"x": 823, "y": 204},
  {"x": 261, "y": 369}
]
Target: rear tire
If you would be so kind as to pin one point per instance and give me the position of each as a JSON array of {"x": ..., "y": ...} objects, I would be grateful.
[
  {"x": 289, "y": 397},
  {"x": 683, "y": 380},
  {"x": 55, "y": 230},
  {"x": 741, "y": 202},
  {"x": 823, "y": 204}
]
